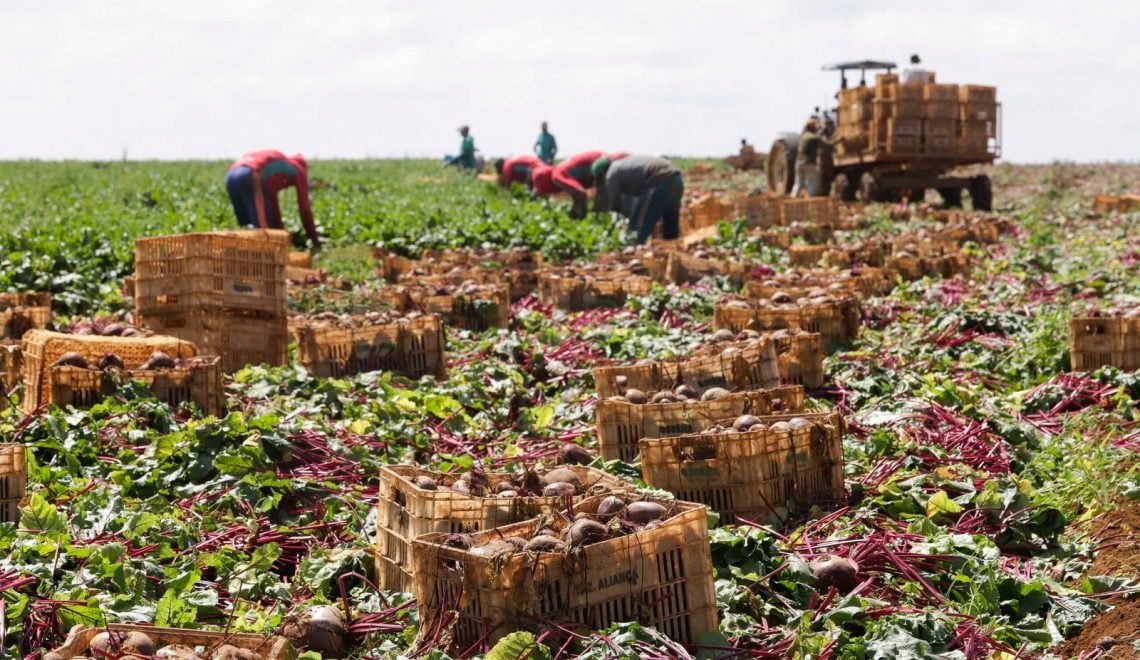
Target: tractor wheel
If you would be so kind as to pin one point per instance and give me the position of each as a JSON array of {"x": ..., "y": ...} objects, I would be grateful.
[
  {"x": 951, "y": 197},
  {"x": 843, "y": 189},
  {"x": 982, "y": 193},
  {"x": 869, "y": 188},
  {"x": 781, "y": 175}
]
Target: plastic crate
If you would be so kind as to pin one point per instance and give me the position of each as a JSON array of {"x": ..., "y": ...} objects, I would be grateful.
[
  {"x": 199, "y": 382},
  {"x": 685, "y": 268},
  {"x": 620, "y": 425},
  {"x": 814, "y": 210},
  {"x": 11, "y": 361},
  {"x": 15, "y": 322},
  {"x": 800, "y": 358},
  {"x": 25, "y": 299},
  {"x": 576, "y": 292},
  {"x": 406, "y": 512},
  {"x": 239, "y": 339},
  {"x": 806, "y": 255},
  {"x": 485, "y": 308},
  {"x": 299, "y": 260},
  {"x": 761, "y": 211},
  {"x": 1099, "y": 341},
  {"x": 266, "y": 647},
  {"x": 13, "y": 480},
  {"x": 661, "y": 577},
  {"x": 412, "y": 347},
  {"x": 225, "y": 270},
  {"x": 42, "y": 348},
  {"x": 748, "y": 475},
  {"x": 748, "y": 367}
]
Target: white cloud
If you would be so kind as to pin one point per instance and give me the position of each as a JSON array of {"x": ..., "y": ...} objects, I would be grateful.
[{"x": 353, "y": 78}]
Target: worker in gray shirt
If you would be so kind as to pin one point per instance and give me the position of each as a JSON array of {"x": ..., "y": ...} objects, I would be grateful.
[{"x": 655, "y": 182}]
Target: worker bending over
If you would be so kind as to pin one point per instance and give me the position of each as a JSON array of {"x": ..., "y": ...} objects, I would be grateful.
[
  {"x": 517, "y": 169},
  {"x": 254, "y": 181},
  {"x": 572, "y": 176},
  {"x": 655, "y": 182},
  {"x": 546, "y": 147}
]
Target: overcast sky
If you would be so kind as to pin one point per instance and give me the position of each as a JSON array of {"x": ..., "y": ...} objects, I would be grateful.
[{"x": 213, "y": 79}]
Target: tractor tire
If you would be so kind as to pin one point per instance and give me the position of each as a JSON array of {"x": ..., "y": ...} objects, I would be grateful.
[
  {"x": 869, "y": 188},
  {"x": 951, "y": 197},
  {"x": 982, "y": 193},
  {"x": 781, "y": 169},
  {"x": 843, "y": 189}
]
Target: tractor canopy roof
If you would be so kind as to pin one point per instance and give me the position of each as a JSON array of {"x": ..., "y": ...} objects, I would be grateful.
[{"x": 862, "y": 65}]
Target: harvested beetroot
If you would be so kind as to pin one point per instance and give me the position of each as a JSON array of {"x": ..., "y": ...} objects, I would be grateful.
[
  {"x": 641, "y": 513},
  {"x": 586, "y": 531},
  {"x": 559, "y": 489},
  {"x": 572, "y": 454},
  {"x": 838, "y": 572},
  {"x": 72, "y": 359}
]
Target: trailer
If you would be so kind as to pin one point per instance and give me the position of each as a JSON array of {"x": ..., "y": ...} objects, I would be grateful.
[{"x": 899, "y": 139}]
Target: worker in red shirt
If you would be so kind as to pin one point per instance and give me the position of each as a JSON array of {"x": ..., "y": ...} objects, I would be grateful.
[
  {"x": 254, "y": 181},
  {"x": 571, "y": 176},
  {"x": 517, "y": 169}
]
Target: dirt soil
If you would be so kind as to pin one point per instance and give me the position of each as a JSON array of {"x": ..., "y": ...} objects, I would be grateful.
[
  {"x": 1119, "y": 552},
  {"x": 1121, "y": 624}
]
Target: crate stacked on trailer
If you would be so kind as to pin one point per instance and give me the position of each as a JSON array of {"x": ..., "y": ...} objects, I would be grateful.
[
  {"x": 856, "y": 112},
  {"x": 624, "y": 559},
  {"x": 676, "y": 396},
  {"x": 21, "y": 312},
  {"x": 414, "y": 501},
  {"x": 223, "y": 291},
  {"x": 1107, "y": 337},
  {"x": 580, "y": 287},
  {"x": 749, "y": 466},
  {"x": 332, "y": 345},
  {"x": 81, "y": 370},
  {"x": 899, "y": 110},
  {"x": 978, "y": 117}
]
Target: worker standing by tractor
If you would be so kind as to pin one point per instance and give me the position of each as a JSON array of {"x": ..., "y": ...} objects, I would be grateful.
[
  {"x": 655, "y": 182},
  {"x": 517, "y": 169},
  {"x": 572, "y": 176},
  {"x": 546, "y": 147},
  {"x": 254, "y": 181},
  {"x": 915, "y": 75},
  {"x": 466, "y": 159},
  {"x": 807, "y": 160}
]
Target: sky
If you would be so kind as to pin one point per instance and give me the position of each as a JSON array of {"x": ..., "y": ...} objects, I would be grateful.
[{"x": 379, "y": 78}]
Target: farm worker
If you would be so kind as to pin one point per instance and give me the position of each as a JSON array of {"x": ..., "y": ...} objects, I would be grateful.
[
  {"x": 254, "y": 181},
  {"x": 466, "y": 158},
  {"x": 655, "y": 182},
  {"x": 571, "y": 176},
  {"x": 516, "y": 169},
  {"x": 546, "y": 146},
  {"x": 915, "y": 75},
  {"x": 807, "y": 159}
]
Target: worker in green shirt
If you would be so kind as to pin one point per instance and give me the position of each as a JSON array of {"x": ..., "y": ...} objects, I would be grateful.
[
  {"x": 545, "y": 146},
  {"x": 466, "y": 159}
]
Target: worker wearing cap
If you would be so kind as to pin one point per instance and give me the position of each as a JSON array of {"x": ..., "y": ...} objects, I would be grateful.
[
  {"x": 656, "y": 183},
  {"x": 546, "y": 147},
  {"x": 254, "y": 181},
  {"x": 572, "y": 176},
  {"x": 517, "y": 169},
  {"x": 466, "y": 158}
]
